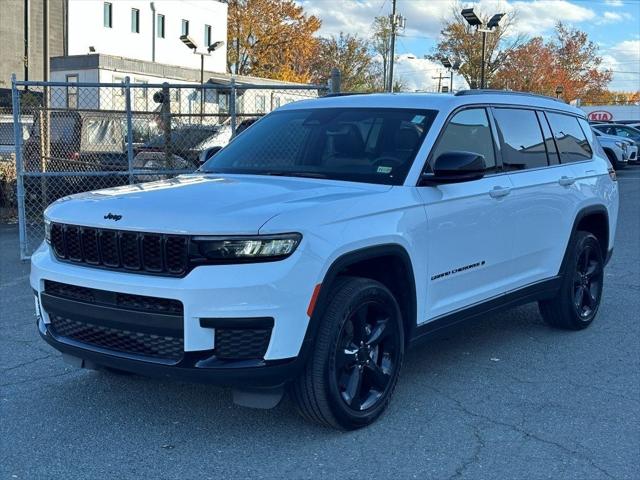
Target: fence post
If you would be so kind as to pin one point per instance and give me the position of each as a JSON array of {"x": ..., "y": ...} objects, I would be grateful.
[
  {"x": 166, "y": 124},
  {"x": 127, "y": 101},
  {"x": 336, "y": 78},
  {"x": 232, "y": 108},
  {"x": 17, "y": 137}
]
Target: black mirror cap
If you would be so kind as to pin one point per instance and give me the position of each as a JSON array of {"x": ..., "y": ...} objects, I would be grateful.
[
  {"x": 207, "y": 153},
  {"x": 455, "y": 167}
]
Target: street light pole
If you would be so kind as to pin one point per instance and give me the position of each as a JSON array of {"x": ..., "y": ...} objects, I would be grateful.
[
  {"x": 474, "y": 21},
  {"x": 201, "y": 87},
  {"x": 484, "y": 54},
  {"x": 192, "y": 45}
]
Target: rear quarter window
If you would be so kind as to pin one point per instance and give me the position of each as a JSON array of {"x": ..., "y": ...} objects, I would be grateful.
[{"x": 572, "y": 143}]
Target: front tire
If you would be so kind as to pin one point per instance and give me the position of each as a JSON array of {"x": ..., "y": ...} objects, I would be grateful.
[
  {"x": 577, "y": 302},
  {"x": 351, "y": 375}
]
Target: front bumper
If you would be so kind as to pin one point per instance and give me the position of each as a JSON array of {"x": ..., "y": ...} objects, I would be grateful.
[
  {"x": 201, "y": 366},
  {"x": 230, "y": 293}
]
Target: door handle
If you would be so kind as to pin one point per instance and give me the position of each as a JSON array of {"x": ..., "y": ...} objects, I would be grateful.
[
  {"x": 566, "y": 181},
  {"x": 499, "y": 192}
]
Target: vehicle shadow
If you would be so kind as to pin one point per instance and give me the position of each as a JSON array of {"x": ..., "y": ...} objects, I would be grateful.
[{"x": 202, "y": 413}]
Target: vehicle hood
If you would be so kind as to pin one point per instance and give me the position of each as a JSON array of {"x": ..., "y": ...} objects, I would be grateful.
[
  {"x": 612, "y": 139},
  {"x": 203, "y": 204}
]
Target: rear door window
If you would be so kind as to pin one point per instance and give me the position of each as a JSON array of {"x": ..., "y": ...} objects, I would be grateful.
[
  {"x": 468, "y": 131},
  {"x": 523, "y": 146},
  {"x": 571, "y": 140}
]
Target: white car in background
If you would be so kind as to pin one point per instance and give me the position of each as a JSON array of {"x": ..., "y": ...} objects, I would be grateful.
[{"x": 617, "y": 149}]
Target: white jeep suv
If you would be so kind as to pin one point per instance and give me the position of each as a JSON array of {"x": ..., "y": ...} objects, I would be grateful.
[{"x": 311, "y": 251}]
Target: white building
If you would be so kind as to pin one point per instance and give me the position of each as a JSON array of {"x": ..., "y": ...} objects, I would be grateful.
[{"x": 149, "y": 30}]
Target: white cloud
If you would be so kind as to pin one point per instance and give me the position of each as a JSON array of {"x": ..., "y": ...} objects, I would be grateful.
[
  {"x": 420, "y": 74},
  {"x": 614, "y": 3},
  {"x": 624, "y": 59},
  {"x": 614, "y": 17},
  {"x": 424, "y": 18},
  {"x": 535, "y": 18}
]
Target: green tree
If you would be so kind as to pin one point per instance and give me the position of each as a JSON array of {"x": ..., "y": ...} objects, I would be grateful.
[
  {"x": 352, "y": 56},
  {"x": 381, "y": 46}
]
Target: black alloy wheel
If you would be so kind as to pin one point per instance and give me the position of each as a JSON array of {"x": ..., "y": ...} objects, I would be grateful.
[
  {"x": 367, "y": 355},
  {"x": 587, "y": 282},
  {"x": 576, "y": 302},
  {"x": 351, "y": 374}
]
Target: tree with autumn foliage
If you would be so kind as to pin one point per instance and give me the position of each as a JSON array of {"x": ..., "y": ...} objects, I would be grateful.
[
  {"x": 461, "y": 42},
  {"x": 352, "y": 56},
  {"x": 570, "y": 60},
  {"x": 271, "y": 39}
]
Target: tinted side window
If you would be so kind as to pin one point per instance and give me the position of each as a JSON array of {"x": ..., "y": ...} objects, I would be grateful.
[
  {"x": 522, "y": 143},
  {"x": 468, "y": 131},
  {"x": 552, "y": 152},
  {"x": 570, "y": 138},
  {"x": 588, "y": 131}
]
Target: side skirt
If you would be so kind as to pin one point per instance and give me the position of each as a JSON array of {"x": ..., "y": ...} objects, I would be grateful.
[{"x": 536, "y": 291}]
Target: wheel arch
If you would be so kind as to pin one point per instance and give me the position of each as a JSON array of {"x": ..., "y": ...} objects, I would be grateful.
[
  {"x": 390, "y": 264},
  {"x": 593, "y": 219}
]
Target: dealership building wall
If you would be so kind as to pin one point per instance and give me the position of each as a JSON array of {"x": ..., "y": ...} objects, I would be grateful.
[{"x": 612, "y": 112}]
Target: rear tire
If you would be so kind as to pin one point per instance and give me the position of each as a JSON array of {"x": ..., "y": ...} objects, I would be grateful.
[
  {"x": 577, "y": 302},
  {"x": 350, "y": 377}
]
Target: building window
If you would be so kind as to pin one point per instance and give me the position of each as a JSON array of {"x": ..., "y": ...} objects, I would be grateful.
[
  {"x": 135, "y": 20},
  {"x": 223, "y": 102},
  {"x": 185, "y": 27},
  {"x": 160, "y": 26},
  {"x": 72, "y": 91},
  {"x": 140, "y": 99},
  {"x": 207, "y": 35},
  {"x": 107, "y": 15}
]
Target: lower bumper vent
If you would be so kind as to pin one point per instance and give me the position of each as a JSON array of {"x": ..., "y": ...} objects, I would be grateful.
[
  {"x": 137, "y": 343},
  {"x": 241, "y": 344}
]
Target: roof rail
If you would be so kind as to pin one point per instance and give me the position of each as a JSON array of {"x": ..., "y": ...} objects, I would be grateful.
[{"x": 491, "y": 91}]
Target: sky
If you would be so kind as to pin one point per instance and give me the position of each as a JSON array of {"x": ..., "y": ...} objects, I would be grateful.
[{"x": 613, "y": 24}]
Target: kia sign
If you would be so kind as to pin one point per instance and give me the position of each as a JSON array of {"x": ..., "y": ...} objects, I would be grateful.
[{"x": 600, "y": 116}]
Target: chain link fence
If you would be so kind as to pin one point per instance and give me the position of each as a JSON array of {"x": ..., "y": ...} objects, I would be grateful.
[{"x": 73, "y": 137}]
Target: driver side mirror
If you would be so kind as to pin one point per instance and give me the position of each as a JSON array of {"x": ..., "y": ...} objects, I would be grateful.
[
  {"x": 455, "y": 167},
  {"x": 207, "y": 153}
]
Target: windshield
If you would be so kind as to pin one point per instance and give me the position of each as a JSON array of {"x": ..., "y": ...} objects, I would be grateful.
[{"x": 373, "y": 145}]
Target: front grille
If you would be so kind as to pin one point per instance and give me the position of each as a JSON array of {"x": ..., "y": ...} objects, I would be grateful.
[
  {"x": 112, "y": 299},
  {"x": 241, "y": 344},
  {"x": 126, "y": 341},
  {"x": 151, "y": 253}
]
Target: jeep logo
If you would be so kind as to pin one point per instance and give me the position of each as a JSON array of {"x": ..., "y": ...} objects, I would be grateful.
[{"x": 111, "y": 216}]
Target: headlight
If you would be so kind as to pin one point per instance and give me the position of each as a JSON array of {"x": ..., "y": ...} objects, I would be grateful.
[
  {"x": 47, "y": 230},
  {"x": 246, "y": 249},
  {"x": 622, "y": 145}
]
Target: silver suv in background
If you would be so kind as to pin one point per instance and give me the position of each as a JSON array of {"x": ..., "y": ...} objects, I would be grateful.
[{"x": 618, "y": 150}]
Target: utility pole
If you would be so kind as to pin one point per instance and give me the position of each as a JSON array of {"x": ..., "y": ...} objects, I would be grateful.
[
  {"x": 397, "y": 22},
  {"x": 439, "y": 78},
  {"x": 393, "y": 46}
]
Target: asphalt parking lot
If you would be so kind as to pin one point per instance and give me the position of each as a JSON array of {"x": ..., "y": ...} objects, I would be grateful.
[{"x": 505, "y": 398}]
